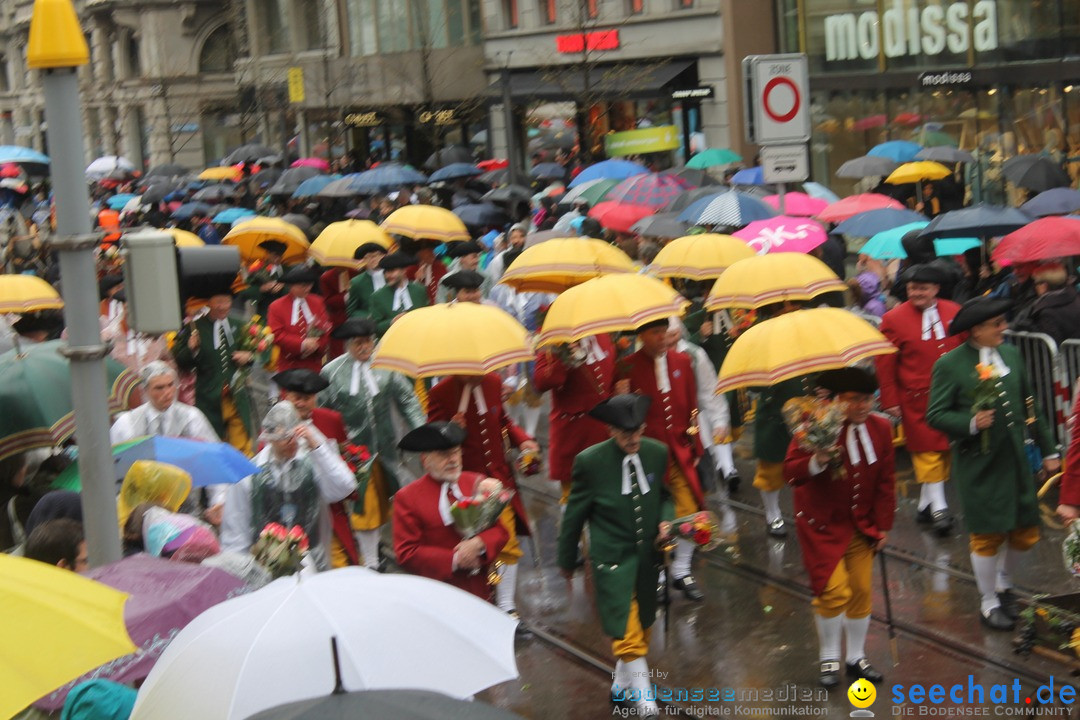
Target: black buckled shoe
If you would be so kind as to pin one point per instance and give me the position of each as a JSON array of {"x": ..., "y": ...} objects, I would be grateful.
[
  {"x": 996, "y": 619},
  {"x": 943, "y": 523},
  {"x": 862, "y": 668},
  {"x": 776, "y": 528},
  {"x": 1009, "y": 604},
  {"x": 733, "y": 481},
  {"x": 924, "y": 516},
  {"x": 689, "y": 587},
  {"x": 829, "y": 673}
]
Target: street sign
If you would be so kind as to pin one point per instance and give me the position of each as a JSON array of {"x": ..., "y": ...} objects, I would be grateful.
[
  {"x": 777, "y": 106},
  {"x": 785, "y": 163},
  {"x": 296, "y": 84}
]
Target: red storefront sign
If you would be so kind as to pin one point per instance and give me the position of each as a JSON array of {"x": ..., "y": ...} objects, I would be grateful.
[{"x": 580, "y": 42}]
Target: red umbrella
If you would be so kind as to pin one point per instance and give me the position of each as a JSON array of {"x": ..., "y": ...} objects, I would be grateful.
[
  {"x": 488, "y": 165},
  {"x": 842, "y": 210},
  {"x": 10, "y": 170},
  {"x": 1045, "y": 239},
  {"x": 797, "y": 204},
  {"x": 653, "y": 190},
  {"x": 619, "y": 217},
  {"x": 312, "y": 162}
]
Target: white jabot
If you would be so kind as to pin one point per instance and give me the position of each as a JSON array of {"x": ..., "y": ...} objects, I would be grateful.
[
  {"x": 402, "y": 301},
  {"x": 362, "y": 371},
  {"x": 300, "y": 306},
  {"x": 478, "y": 397},
  {"x": 633, "y": 461},
  {"x": 219, "y": 326},
  {"x": 663, "y": 382},
  {"x": 378, "y": 280},
  {"x": 990, "y": 356},
  {"x": 932, "y": 329},
  {"x": 593, "y": 352},
  {"x": 858, "y": 435},
  {"x": 444, "y": 503}
]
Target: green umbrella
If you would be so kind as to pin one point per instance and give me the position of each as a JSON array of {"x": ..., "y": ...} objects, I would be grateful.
[
  {"x": 35, "y": 394},
  {"x": 591, "y": 192},
  {"x": 936, "y": 138},
  {"x": 713, "y": 156}
]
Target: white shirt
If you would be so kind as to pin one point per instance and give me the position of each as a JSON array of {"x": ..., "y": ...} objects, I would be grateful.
[
  {"x": 402, "y": 301},
  {"x": 633, "y": 461},
  {"x": 713, "y": 411},
  {"x": 663, "y": 382},
  {"x": 178, "y": 420},
  {"x": 378, "y": 280},
  {"x": 858, "y": 435}
]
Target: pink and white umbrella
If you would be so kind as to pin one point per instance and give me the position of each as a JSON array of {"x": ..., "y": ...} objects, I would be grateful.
[
  {"x": 782, "y": 234},
  {"x": 312, "y": 162},
  {"x": 797, "y": 204}
]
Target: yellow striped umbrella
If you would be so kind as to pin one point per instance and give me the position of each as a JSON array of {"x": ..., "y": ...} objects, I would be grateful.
[
  {"x": 337, "y": 244},
  {"x": 700, "y": 257},
  {"x": 27, "y": 293},
  {"x": 799, "y": 343},
  {"x": 611, "y": 303},
  {"x": 453, "y": 339},
  {"x": 184, "y": 238},
  {"x": 560, "y": 263},
  {"x": 248, "y": 234},
  {"x": 426, "y": 222},
  {"x": 225, "y": 172},
  {"x": 766, "y": 279},
  {"x": 914, "y": 172}
]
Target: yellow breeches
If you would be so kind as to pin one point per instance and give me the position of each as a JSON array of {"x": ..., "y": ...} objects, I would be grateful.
[
  {"x": 236, "y": 433},
  {"x": 635, "y": 641},
  {"x": 848, "y": 589},
  {"x": 769, "y": 476},
  {"x": 987, "y": 544},
  {"x": 376, "y": 506},
  {"x": 681, "y": 494},
  {"x": 931, "y": 467},
  {"x": 511, "y": 552}
]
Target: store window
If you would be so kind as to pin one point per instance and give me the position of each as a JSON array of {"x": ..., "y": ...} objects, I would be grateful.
[
  {"x": 393, "y": 27},
  {"x": 218, "y": 52},
  {"x": 591, "y": 9},
  {"x": 312, "y": 15},
  {"x": 274, "y": 25},
  {"x": 510, "y": 13},
  {"x": 430, "y": 24},
  {"x": 362, "y": 39},
  {"x": 549, "y": 11},
  {"x": 684, "y": 4},
  {"x": 635, "y": 7}
]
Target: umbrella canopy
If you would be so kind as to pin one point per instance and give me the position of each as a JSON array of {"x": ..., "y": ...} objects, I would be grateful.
[
  {"x": 118, "y": 201},
  {"x": 700, "y": 257},
  {"x": 312, "y": 162},
  {"x": 896, "y": 150},
  {"x": 1055, "y": 201},
  {"x": 21, "y": 155},
  {"x": 508, "y": 194},
  {"x": 619, "y": 217},
  {"x": 866, "y": 166},
  {"x": 783, "y": 235},
  {"x": 664, "y": 225},
  {"x": 694, "y": 176},
  {"x": 226, "y": 172},
  {"x": 493, "y": 163},
  {"x": 167, "y": 170},
  {"x": 591, "y": 192},
  {"x": 797, "y": 204},
  {"x": 158, "y": 191},
  {"x": 247, "y": 153},
  {"x": 688, "y": 197},
  {"x": 729, "y": 209},
  {"x": 388, "y": 176},
  {"x": 448, "y": 156},
  {"x": 455, "y": 171},
  {"x": 1045, "y": 239},
  {"x": 273, "y": 646},
  {"x": 799, "y": 343},
  {"x": 290, "y": 180},
  {"x": 945, "y": 154},
  {"x": 871, "y": 222},
  {"x": 248, "y": 234},
  {"x": 214, "y": 193},
  {"x": 426, "y": 222},
  {"x": 35, "y": 393},
  {"x": 766, "y": 279},
  {"x": 81, "y": 622},
  {"x": 548, "y": 171},
  {"x": 480, "y": 215},
  {"x": 653, "y": 190},
  {"x": 165, "y": 595},
  {"x": 921, "y": 171},
  {"x": 749, "y": 176},
  {"x": 1034, "y": 172},
  {"x": 855, "y": 204},
  {"x": 231, "y": 215},
  {"x": 313, "y": 185},
  {"x": 611, "y": 303},
  {"x": 337, "y": 243},
  {"x": 27, "y": 293},
  {"x": 980, "y": 220},
  {"x": 397, "y": 704},
  {"x": 103, "y": 166},
  {"x": 341, "y": 187},
  {"x": 609, "y": 169},
  {"x": 819, "y": 191},
  {"x": 888, "y": 244},
  {"x": 453, "y": 339},
  {"x": 183, "y": 238},
  {"x": 561, "y": 263},
  {"x": 713, "y": 156},
  {"x": 187, "y": 210},
  {"x": 535, "y": 238}
]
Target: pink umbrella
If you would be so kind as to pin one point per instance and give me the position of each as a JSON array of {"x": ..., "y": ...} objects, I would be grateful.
[
  {"x": 1046, "y": 239},
  {"x": 843, "y": 209},
  {"x": 652, "y": 190},
  {"x": 797, "y": 204},
  {"x": 782, "y": 234},
  {"x": 312, "y": 162}
]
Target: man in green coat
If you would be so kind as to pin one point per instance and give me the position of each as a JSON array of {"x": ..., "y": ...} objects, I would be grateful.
[
  {"x": 618, "y": 489},
  {"x": 370, "y": 279},
  {"x": 398, "y": 296},
  {"x": 991, "y": 467}
]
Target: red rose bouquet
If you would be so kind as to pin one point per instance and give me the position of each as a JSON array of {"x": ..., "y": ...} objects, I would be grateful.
[
  {"x": 361, "y": 461},
  {"x": 473, "y": 515},
  {"x": 255, "y": 338},
  {"x": 281, "y": 551},
  {"x": 702, "y": 528}
]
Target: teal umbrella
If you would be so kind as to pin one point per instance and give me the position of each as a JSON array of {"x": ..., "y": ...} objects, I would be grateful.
[
  {"x": 888, "y": 245},
  {"x": 713, "y": 156}
]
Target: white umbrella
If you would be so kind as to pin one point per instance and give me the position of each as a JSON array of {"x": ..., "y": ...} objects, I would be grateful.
[
  {"x": 272, "y": 646},
  {"x": 107, "y": 164}
]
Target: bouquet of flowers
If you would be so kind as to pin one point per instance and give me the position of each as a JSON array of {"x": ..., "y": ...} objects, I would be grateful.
[
  {"x": 281, "y": 551},
  {"x": 815, "y": 425},
  {"x": 361, "y": 461},
  {"x": 985, "y": 397},
  {"x": 529, "y": 462},
  {"x": 474, "y": 515},
  {"x": 317, "y": 328},
  {"x": 254, "y": 337},
  {"x": 257, "y": 274},
  {"x": 702, "y": 528},
  {"x": 1070, "y": 549}
]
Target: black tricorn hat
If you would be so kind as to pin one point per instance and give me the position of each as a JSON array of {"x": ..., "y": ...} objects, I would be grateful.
[
  {"x": 301, "y": 380},
  {"x": 626, "y": 412},
  {"x": 396, "y": 261},
  {"x": 300, "y": 274},
  {"x": 433, "y": 436},
  {"x": 32, "y": 322},
  {"x": 662, "y": 322},
  {"x": 849, "y": 379},
  {"x": 925, "y": 273},
  {"x": 460, "y": 249},
  {"x": 274, "y": 246},
  {"x": 463, "y": 280},
  {"x": 368, "y": 247},
  {"x": 978, "y": 310},
  {"x": 354, "y": 327}
]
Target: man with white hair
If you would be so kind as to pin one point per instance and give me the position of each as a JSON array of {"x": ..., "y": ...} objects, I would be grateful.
[
  {"x": 299, "y": 475},
  {"x": 162, "y": 413}
]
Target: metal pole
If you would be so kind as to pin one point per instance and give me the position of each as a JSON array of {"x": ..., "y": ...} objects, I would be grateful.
[
  {"x": 79, "y": 283},
  {"x": 512, "y": 158},
  {"x": 782, "y": 190}
]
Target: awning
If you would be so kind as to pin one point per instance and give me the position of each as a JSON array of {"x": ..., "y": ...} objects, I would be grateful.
[{"x": 567, "y": 82}]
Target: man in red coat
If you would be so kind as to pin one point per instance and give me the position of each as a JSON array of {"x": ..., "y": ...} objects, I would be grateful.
[
  {"x": 334, "y": 288},
  {"x": 475, "y": 403},
  {"x": 841, "y": 519},
  {"x": 299, "y": 322},
  {"x": 1069, "y": 492},
  {"x": 429, "y": 270},
  {"x": 301, "y": 387},
  {"x": 580, "y": 376},
  {"x": 666, "y": 376},
  {"x": 919, "y": 328},
  {"x": 425, "y": 540}
]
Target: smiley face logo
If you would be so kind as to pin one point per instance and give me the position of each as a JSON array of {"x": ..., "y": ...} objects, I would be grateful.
[{"x": 862, "y": 693}]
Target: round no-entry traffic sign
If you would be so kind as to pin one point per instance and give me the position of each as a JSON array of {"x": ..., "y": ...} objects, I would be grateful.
[
  {"x": 781, "y": 106},
  {"x": 777, "y": 108}
]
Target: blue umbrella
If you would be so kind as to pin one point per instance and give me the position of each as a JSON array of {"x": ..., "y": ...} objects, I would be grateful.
[
  {"x": 117, "y": 202},
  {"x": 888, "y": 244},
  {"x": 185, "y": 211},
  {"x": 231, "y": 215},
  {"x": 900, "y": 151},
  {"x": 208, "y": 463},
  {"x": 548, "y": 171},
  {"x": 733, "y": 209},
  {"x": 481, "y": 214},
  {"x": 871, "y": 222},
  {"x": 819, "y": 191},
  {"x": 609, "y": 169},
  {"x": 313, "y": 185},
  {"x": 749, "y": 176},
  {"x": 389, "y": 176},
  {"x": 1056, "y": 201},
  {"x": 980, "y": 220},
  {"x": 16, "y": 154},
  {"x": 455, "y": 171}
]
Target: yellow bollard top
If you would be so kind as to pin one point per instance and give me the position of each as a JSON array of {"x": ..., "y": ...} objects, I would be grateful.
[{"x": 56, "y": 38}]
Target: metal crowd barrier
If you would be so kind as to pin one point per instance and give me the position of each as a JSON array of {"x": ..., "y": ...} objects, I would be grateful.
[{"x": 1052, "y": 380}]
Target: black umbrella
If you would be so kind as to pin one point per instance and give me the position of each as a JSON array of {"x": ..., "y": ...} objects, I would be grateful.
[
  {"x": 1056, "y": 201},
  {"x": 168, "y": 170},
  {"x": 1034, "y": 172},
  {"x": 156, "y": 192},
  {"x": 867, "y": 166},
  {"x": 263, "y": 179},
  {"x": 290, "y": 179},
  {"x": 945, "y": 154},
  {"x": 448, "y": 155},
  {"x": 397, "y": 704},
  {"x": 214, "y": 193},
  {"x": 509, "y": 193},
  {"x": 664, "y": 225},
  {"x": 684, "y": 199},
  {"x": 301, "y": 221},
  {"x": 695, "y": 176},
  {"x": 481, "y": 214},
  {"x": 980, "y": 221},
  {"x": 247, "y": 153},
  {"x": 548, "y": 171}
]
